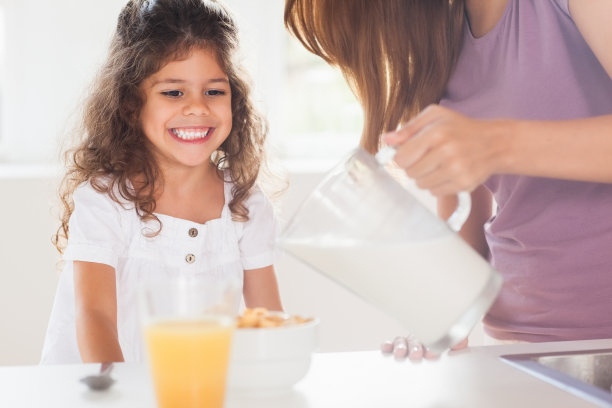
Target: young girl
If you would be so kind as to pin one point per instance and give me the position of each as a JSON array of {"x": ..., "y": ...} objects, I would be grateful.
[{"x": 164, "y": 181}]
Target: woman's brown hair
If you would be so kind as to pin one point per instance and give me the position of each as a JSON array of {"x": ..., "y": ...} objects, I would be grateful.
[
  {"x": 114, "y": 152},
  {"x": 396, "y": 55}
]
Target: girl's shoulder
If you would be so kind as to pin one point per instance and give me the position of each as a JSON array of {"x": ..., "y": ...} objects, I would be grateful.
[
  {"x": 96, "y": 210},
  {"x": 256, "y": 197},
  {"x": 260, "y": 207},
  {"x": 229, "y": 185},
  {"x": 266, "y": 190},
  {"x": 100, "y": 192},
  {"x": 87, "y": 192}
]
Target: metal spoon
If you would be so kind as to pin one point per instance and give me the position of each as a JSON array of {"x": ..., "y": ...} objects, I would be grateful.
[{"x": 102, "y": 381}]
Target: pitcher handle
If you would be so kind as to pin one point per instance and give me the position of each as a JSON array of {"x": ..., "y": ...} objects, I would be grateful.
[
  {"x": 464, "y": 199},
  {"x": 462, "y": 212}
]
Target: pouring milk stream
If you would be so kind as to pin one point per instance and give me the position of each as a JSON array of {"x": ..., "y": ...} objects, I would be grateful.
[{"x": 363, "y": 229}]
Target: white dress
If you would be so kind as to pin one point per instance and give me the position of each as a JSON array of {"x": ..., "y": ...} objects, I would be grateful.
[{"x": 103, "y": 231}]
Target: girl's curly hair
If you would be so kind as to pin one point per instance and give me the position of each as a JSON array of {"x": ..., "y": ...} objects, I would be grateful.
[{"x": 113, "y": 150}]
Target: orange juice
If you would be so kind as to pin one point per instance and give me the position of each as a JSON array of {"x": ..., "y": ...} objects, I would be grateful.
[{"x": 189, "y": 361}]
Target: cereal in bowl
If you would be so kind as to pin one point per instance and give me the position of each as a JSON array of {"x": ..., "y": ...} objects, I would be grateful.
[{"x": 260, "y": 317}]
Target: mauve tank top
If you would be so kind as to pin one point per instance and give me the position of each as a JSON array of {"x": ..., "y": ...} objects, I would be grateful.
[{"x": 551, "y": 239}]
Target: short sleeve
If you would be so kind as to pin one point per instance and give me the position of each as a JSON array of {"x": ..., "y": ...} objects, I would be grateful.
[
  {"x": 258, "y": 238},
  {"x": 94, "y": 229}
]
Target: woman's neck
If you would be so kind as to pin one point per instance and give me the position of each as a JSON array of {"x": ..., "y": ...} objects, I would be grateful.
[{"x": 483, "y": 15}]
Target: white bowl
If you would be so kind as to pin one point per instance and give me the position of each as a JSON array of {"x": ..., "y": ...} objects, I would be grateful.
[{"x": 268, "y": 359}]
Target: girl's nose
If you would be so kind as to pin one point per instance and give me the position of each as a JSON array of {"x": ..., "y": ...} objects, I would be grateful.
[{"x": 196, "y": 106}]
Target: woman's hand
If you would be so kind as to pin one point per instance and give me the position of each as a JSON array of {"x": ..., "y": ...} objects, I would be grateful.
[
  {"x": 446, "y": 152},
  {"x": 402, "y": 347}
]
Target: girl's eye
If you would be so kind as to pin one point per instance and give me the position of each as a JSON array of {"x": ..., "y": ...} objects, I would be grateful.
[
  {"x": 173, "y": 94},
  {"x": 214, "y": 92}
]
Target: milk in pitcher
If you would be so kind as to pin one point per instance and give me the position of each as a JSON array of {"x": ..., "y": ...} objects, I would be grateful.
[{"x": 431, "y": 287}]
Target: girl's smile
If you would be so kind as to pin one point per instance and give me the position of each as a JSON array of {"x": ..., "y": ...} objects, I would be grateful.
[
  {"x": 192, "y": 134},
  {"x": 187, "y": 112}
]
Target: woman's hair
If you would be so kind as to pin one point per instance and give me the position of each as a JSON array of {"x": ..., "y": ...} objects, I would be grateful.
[
  {"x": 114, "y": 155},
  {"x": 396, "y": 55}
]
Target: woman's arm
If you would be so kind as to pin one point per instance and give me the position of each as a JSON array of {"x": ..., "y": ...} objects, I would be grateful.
[
  {"x": 446, "y": 152},
  {"x": 96, "y": 312},
  {"x": 261, "y": 289},
  {"x": 579, "y": 149},
  {"x": 574, "y": 149}
]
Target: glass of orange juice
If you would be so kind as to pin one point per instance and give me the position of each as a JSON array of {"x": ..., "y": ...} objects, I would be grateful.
[{"x": 188, "y": 325}]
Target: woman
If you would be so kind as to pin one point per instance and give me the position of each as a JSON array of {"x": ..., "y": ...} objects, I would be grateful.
[{"x": 508, "y": 99}]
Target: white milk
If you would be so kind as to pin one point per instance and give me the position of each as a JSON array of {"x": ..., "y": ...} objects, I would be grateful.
[{"x": 426, "y": 286}]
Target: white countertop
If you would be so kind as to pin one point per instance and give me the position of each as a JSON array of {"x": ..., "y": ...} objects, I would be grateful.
[{"x": 473, "y": 378}]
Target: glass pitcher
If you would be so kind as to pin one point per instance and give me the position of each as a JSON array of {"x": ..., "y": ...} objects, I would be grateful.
[{"x": 363, "y": 229}]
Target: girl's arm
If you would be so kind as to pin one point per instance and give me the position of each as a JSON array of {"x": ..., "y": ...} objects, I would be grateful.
[
  {"x": 96, "y": 312},
  {"x": 261, "y": 289}
]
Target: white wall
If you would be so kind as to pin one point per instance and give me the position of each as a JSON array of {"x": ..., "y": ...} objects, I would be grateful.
[
  {"x": 52, "y": 51},
  {"x": 27, "y": 265}
]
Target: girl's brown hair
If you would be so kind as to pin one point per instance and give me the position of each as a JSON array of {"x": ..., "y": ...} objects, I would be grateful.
[
  {"x": 396, "y": 55},
  {"x": 114, "y": 152}
]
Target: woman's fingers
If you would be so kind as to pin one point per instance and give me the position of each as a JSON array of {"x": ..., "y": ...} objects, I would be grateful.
[
  {"x": 445, "y": 152},
  {"x": 427, "y": 116},
  {"x": 415, "y": 349},
  {"x": 387, "y": 347},
  {"x": 400, "y": 347},
  {"x": 417, "y": 142},
  {"x": 411, "y": 348},
  {"x": 426, "y": 166},
  {"x": 430, "y": 355},
  {"x": 410, "y": 146}
]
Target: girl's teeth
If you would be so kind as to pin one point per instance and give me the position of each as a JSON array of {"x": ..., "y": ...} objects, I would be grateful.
[{"x": 190, "y": 134}]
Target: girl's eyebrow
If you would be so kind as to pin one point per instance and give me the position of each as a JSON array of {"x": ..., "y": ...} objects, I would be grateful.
[{"x": 181, "y": 81}]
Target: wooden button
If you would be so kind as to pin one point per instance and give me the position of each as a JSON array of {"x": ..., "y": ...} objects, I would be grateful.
[
  {"x": 190, "y": 258},
  {"x": 193, "y": 232}
]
